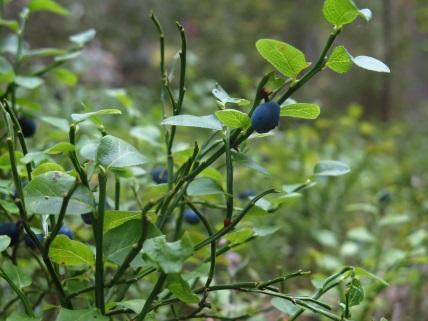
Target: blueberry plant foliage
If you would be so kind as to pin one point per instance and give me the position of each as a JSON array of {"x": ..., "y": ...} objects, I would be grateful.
[{"x": 141, "y": 261}]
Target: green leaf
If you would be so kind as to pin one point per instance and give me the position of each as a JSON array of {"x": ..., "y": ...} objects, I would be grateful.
[
  {"x": 115, "y": 152},
  {"x": 60, "y": 148},
  {"x": 113, "y": 218},
  {"x": 70, "y": 253},
  {"x": 370, "y": 63},
  {"x": 239, "y": 236},
  {"x": 36, "y": 157},
  {"x": 28, "y": 82},
  {"x": 7, "y": 74},
  {"x": 135, "y": 305},
  {"x": 45, "y": 193},
  {"x": 89, "y": 150},
  {"x": 203, "y": 186},
  {"x": 362, "y": 272},
  {"x": 244, "y": 160},
  {"x": 21, "y": 317},
  {"x": 339, "y": 60},
  {"x": 285, "y": 306},
  {"x": 5, "y": 160},
  {"x": 66, "y": 76},
  {"x": 169, "y": 256},
  {"x": 11, "y": 24},
  {"x": 47, "y": 5},
  {"x": 355, "y": 292},
  {"x": 120, "y": 240},
  {"x": 4, "y": 242},
  {"x": 340, "y": 12},
  {"x": 148, "y": 133},
  {"x": 209, "y": 121},
  {"x": 331, "y": 168},
  {"x": 301, "y": 110},
  {"x": 80, "y": 315},
  {"x": 263, "y": 231},
  {"x": 43, "y": 52},
  {"x": 69, "y": 55},
  {"x": 47, "y": 167},
  {"x": 57, "y": 122},
  {"x": 233, "y": 118},
  {"x": 122, "y": 96},
  {"x": 78, "y": 118},
  {"x": 18, "y": 277},
  {"x": 224, "y": 97},
  {"x": 83, "y": 37},
  {"x": 181, "y": 289},
  {"x": 289, "y": 60}
]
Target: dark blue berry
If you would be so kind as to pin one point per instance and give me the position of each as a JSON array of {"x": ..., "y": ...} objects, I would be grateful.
[
  {"x": 87, "y": 218},
  {"x": 159, "y": 175},
  {"x": 191, "y": 217},
  {"x": 28, "y": 126},
  {"x": 265, "y": 117},
  {"x": 244, "y": 195},
  {"x": 11, "y": 230},
  {"x": 66, "y": 231},
  {"x": 29, "y": 242}
]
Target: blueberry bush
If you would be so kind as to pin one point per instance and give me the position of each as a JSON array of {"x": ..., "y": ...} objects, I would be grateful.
[{"x": 109, "y": 214}]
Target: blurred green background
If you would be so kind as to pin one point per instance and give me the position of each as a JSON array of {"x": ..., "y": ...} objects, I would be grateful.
[{"x": 222, "y": 34}]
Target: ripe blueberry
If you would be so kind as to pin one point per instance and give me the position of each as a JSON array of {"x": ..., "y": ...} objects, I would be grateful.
[
  {"x": 159, "y": 175},
  {"x": 64, "y": 230},
  {"x": 265, "y": 117},
  {"x": 87, "y": 218},
  {"x": 191, "y": 217},
  {"x": 28, "y": 126},
  {"x": 29, "y": 242},
  {"x": 11, "y": 230},
  {"x": 245, "y": 194}
]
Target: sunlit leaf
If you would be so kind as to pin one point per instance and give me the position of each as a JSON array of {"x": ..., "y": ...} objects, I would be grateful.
[
  {"x": 301, "y": 110},
  {"x": 289, "y": 60},
  {"x": 209, "y": 121},
  {"x": 70, "y": 253},
  {"x": 115, "y": 152}
]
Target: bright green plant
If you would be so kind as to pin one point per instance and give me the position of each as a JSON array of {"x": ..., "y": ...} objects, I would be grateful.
[{"x": 140, "y": 261}]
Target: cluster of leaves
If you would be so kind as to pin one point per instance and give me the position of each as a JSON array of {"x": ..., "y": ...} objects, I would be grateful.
[{"x": 144, "y": 239}]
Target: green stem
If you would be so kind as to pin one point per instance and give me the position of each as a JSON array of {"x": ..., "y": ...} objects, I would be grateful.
[
  {"x": 235, "y": 221},
  {"x": 73, "y": 156},
  {"x": 148, "y": 304},
  {"x": 229, "y": 179},
  {"x": 213, "y": 244},
  {"x": 137, "y": 248},
  {"x": 319, "y": 65},
  {"x": 98, "y": 229},
  {"x": 117, "y": 193},
  {"x": 60, "y": 219}
]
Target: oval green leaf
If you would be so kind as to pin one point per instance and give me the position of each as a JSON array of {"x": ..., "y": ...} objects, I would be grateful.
[
  {"x": 70, "y": 253},
  {"x": 45, "y": 193},
  {"x": 115, "y": 152},
  {"x": 331, "y": 168},
  {"x": 287, "y": 59},
  {"x": 340, "y": 12},
  {"x": 233, "y": 118},
  {"x": 339, "y": 60},
  {"x": 301, "y": 110},
  {"x": 209, "y": 121}
]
